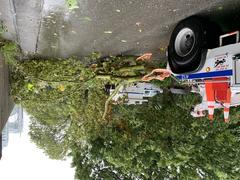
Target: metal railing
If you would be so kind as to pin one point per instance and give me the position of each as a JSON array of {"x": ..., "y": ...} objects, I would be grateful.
[{"x": 227, "y": 35}]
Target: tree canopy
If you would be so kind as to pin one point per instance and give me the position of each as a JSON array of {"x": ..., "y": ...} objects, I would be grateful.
[
  {"x": 157, "y": 140},
  {"x": 161, "y": 140}
]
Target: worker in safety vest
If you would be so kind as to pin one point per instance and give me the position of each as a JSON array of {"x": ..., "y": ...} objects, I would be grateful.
[{"x": 217, "y": 89}]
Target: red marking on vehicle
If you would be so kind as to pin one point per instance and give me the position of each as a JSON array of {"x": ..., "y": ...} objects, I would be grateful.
[{"x": 231, "y": 33}]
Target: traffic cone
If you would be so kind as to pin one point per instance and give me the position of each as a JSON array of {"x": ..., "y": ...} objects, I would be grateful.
[
  {"x": 226, "y": 113},
  {"x": 227, "y": 106},
  {"x": 210, "y": 98},
  {"x": 210, "y": 109}
]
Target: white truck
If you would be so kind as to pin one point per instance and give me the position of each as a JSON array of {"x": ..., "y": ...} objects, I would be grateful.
[{"x": 198, "y": 54}]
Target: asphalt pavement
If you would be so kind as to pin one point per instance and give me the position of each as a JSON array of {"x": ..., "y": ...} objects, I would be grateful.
[{"x": 112, "y": 27}]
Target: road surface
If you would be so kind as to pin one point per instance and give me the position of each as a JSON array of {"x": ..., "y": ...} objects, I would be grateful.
[{"x": 111, "y": 27}]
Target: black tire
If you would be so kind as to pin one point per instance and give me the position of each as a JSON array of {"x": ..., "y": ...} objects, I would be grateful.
[{"x": 188, "y": 44}]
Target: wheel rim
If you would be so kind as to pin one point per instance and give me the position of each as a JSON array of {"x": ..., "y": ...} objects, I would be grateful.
[{"x": 184, "y": 42}]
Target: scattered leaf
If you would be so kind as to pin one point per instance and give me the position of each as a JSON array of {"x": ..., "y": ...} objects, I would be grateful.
[
  {"x": 138, "y": 24},
  {"x": 93, "y": 65},
  {"x": 108, "y": 32},
  {"x": 162, "y": 49},
  {"x": 72, "y": 4},
  {"x": 61, "y": 88},
  {"x": 30, "y": 86},
  {"x": 86, "y": 18}
]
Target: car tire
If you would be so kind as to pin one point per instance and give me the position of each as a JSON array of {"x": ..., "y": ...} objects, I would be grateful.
[{"x": 189, "y": 42}]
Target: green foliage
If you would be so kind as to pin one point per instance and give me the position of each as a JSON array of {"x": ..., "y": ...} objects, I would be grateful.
[
  {"x": 3, "y": 28},
  {"x": 72, "y": 4},
  {"x": 88, "y": 168},
  {"x": 50, "y": 138},
  {"x": 10, "y": 51},
  {"x": 66, "y": 91},
  {"x": 161, "y": 140},
  {"x": 158, "y": 140},
  {"x": 57, "y": 91}
]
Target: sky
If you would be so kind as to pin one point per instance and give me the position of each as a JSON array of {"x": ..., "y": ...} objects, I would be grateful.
[{"x": 24, "y": 161}]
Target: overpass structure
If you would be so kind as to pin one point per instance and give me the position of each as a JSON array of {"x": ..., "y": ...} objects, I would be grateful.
[{"x": 6, "y": 104}]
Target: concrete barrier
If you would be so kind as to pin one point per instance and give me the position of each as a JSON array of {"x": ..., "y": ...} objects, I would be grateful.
[{"x": 6, "y": 104}]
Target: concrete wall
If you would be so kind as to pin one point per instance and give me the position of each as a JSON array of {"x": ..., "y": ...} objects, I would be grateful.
[{"x": 6, "y": 103}]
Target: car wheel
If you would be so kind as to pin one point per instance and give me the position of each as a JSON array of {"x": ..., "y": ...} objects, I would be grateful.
[{"x": 189, "y": 42}]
